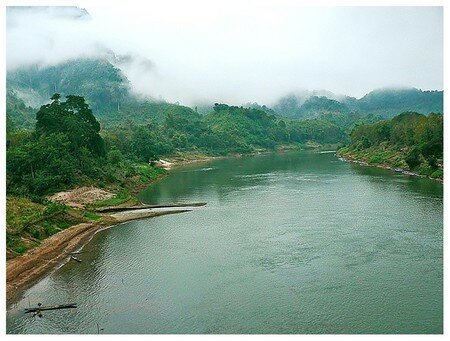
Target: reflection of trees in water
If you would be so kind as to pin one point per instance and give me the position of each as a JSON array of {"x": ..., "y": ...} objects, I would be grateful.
[
  {"x": 389, "y": 180},
  {"x": 227, "y": 175}
]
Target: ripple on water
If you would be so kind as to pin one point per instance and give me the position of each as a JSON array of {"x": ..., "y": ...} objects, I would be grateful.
[{"x": 292, "y": 243}]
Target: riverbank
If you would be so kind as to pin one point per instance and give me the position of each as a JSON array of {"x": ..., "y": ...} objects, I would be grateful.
[
  {"x": 183, "y": 159},
  {"x": 25, "y": 270},
  {"x": 44, "y": 256},
  {"x": 347, "y": 157}
]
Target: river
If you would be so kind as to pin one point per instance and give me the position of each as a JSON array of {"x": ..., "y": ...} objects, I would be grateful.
[{"x": 296, "y": 242}]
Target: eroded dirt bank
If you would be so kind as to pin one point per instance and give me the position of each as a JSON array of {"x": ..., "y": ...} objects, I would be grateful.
[{"x": 23, "y": 271}]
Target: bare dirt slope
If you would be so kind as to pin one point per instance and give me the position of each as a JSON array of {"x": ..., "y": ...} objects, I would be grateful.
[{"x": 81, "y": 196}]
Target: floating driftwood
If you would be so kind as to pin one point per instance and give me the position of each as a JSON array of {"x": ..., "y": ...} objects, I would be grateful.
[
  {"x": 140, "y": 207},
  {"x": 77, "y": 253},
  {"x": 75, "y": 259},
  {"x": 39, "y": 308}
]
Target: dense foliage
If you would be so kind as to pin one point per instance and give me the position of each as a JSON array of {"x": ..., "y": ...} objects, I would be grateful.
[
  {"x": 67, "y": 147},
  {"x": 409, "y": 140},
  {"x": 64, "y": 150},
  {"x": 17, "y": 113},
  {"x": 228, "y": 129},
  {"x": 72, "y": 144},
  {"x": 102, "y": 84},
  {"x": 74, "y": 119}
]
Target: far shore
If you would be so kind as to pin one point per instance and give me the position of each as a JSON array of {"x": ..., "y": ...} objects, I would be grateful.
[
  {"x": 24, "y": 271},
  {"x": 384, "y": 166}
]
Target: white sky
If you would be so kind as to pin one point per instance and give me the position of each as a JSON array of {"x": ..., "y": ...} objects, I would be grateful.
[{"x": 237, "y": 53}]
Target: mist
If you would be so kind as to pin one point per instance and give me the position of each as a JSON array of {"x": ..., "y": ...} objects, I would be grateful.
[{"x": 238, "y": 53}]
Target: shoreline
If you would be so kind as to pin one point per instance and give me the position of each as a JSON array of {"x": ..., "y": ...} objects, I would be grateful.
[
  {"x": 387, "y": 167},
  {"x": 26, "y": 270},
  {"x": 180, "y": 161}
]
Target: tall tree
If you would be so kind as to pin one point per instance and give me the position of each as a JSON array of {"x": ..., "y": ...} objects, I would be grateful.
[{"x": 73, "y": 118}]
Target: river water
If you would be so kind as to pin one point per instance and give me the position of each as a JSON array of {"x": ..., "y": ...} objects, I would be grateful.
[{"x": 299, "y": 242}]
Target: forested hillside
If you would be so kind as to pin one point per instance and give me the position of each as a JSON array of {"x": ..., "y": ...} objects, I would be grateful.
[
  {"x": 77, "y": 124},
  {"x": 411, "y": 141},
  {"x": 385, "y": 103},
  {"x": 389, "y": 102},
  {"x": 18, "y": 114},
  {"x": 135, "y": 131},
  {"x": 102, "y": 84},
  {"x": 107, "y": 91}
]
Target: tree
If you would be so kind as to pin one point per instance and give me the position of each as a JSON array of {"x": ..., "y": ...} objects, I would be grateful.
[
  {"x": 73, "y": 118},
  {"x": 413, "y": 158}
]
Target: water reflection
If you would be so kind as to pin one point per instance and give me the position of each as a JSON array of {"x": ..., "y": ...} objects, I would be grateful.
[
  {"x": 387, "y": 178},
  {"x": 228, "y": 175}
]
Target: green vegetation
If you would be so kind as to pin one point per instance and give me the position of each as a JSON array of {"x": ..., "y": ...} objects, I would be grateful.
[
  {"x": 385, "y": 103},
  {"x": 390, "y": 102},
  {"x": 411, "y": 141},
  {"x": 17, "y": 113},
  {"x": 101, "y": 83},
  {"x": 28, "y": 223},
  {"x": 102, "y": 135},
  {"x": 226, "y": 130},
  {"x": 104, "y": 87},
  {"x": 66, "y": 150}
]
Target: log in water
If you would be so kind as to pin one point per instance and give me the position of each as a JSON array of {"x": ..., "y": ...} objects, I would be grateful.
[{"x": 140, "y": 207}]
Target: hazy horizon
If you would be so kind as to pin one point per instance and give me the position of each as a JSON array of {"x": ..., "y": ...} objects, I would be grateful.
[{"x": 254, "y": 52}]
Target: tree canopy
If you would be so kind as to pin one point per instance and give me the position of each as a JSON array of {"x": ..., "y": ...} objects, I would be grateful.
[{"x": 73, "y": 118}]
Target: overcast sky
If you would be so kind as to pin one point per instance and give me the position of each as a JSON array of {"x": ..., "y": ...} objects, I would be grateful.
[{"x": 241, "y": 53}]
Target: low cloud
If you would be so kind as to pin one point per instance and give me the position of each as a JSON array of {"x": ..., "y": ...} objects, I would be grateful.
[{"x": 238, "y": 53}]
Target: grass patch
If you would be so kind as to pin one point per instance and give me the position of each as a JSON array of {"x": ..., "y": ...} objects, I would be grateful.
[
  {"x": 27, "y": 223},
  {"x": 439, "y": 174},
  {"x": 148, "y": 173},
  {"x": 91, "y": 215}
]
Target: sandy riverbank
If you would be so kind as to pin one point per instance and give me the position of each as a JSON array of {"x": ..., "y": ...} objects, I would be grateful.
[{"x": 24, "y": 271}]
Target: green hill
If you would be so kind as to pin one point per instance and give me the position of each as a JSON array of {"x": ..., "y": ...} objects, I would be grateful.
[
  {"x": 389, "y": 102},
  {"x": 410, "y": 141},
  {"x": 105, "y": 88},
  {"x": 383, "y": 102},
  {"x": 102, "y": 84}
]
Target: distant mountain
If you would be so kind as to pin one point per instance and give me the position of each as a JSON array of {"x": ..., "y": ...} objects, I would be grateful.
[
  {"x": 391, "y": 102},
  {"x": 288, "y": 106},
  {"x": 108, "y": 92},
  {"x": 317, "y": 106},
  {"x": 383, "y": 102},
  {"x": 103, "y": 85},
  {"x": 263, "y": 107},
  {"x": 18, "y": 111}
]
